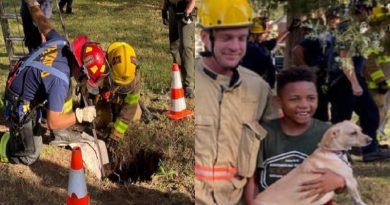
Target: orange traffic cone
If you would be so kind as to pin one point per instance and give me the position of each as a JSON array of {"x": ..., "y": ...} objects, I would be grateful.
[
  {"x": 77, "y": 189},
  {"x": 178, "y": 104}
]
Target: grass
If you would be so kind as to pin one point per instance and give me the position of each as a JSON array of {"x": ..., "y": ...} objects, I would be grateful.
[
  {"x": 374, "y": 183},
  {"x": 139, "y": 24}
]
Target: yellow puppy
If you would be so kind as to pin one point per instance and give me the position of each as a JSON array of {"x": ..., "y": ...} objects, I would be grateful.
[{"x": 340, "y": 137}]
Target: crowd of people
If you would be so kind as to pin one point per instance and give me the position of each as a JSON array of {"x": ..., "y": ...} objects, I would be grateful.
[{"x": 247, "y": 138}]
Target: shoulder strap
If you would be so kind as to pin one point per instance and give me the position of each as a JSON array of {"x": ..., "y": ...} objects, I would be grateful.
[{"x": 30, "y": 61}]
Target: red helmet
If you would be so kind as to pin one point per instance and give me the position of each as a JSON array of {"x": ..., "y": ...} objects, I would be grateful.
[{"x": 92, "y": 58}]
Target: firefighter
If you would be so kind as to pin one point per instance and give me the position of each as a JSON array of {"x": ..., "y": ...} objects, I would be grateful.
[
  {"x": 345, "y": 100},
  {"x": 229, "y": 103},
  {"x": 377, "y": 74},
  {"x": 40, "y": 80},
  {"x": 33, "y": 38},
  {"x": 92, "y": 58},
  {"x": 117, "y": 97},
  {"x": 179, "y": 15},
  {"x": 258, "y": 57}
]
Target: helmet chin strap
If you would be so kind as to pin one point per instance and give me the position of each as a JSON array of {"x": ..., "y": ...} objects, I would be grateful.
[{"x": 208, "y": 53}]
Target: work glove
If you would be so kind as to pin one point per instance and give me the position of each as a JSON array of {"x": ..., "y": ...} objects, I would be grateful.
[
  {"x": 296, "y": 23},
  {"x": 87, "y": 114},
  {"x": 31, "y": 3},
  {"x": 382, "y": 87},
  {"x": 164, "y": 16},
  {"x": 187, "y": 19}
]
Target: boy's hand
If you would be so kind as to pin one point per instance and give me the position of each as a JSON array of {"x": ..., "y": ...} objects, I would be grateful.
[
  {"x": 31, "y": 3},
  {"x": 327, "y": 182}
]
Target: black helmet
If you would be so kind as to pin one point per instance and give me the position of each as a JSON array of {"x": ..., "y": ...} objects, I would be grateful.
[
  {"x": 336, "y": 12},
  {"x": 365, "y": 5},
  {"x": 362, "y": 3}
]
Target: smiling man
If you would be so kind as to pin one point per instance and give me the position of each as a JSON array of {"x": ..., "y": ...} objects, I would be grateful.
[{"x": 229, "y": 102}]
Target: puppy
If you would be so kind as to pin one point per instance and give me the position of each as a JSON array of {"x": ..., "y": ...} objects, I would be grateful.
[{"x": 340, "y": 137}]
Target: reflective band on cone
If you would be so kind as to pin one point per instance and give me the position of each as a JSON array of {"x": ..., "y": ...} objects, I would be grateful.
[
  {"x": 77, "y": 188},
  {"x": 178, "y": 108}
]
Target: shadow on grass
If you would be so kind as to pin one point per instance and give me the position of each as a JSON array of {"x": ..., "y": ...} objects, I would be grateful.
[
  {"x": 4, "y": 66},
  {"x": 373, "y": 169},
  {"x": 55, "y": 176}
]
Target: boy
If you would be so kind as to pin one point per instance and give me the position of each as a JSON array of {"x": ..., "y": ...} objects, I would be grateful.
[{"x": 293, "y": 137}]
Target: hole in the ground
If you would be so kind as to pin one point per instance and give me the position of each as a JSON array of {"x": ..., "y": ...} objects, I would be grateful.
[{"x": 140, "y": 168}]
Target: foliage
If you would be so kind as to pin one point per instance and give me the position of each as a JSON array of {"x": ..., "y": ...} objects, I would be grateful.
[
  {"x": 297, "y": 6},
  {"x": 139, "y": 23},
  {"x": 357, "y": 40}
]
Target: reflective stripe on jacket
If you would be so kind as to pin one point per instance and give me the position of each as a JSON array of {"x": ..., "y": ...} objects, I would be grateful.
[
  {"x": 228, "y": 133},
  {"x": 377, "y": 69}
]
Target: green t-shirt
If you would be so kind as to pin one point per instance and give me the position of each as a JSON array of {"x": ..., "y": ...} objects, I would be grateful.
[{"x": 280, "y": 153}]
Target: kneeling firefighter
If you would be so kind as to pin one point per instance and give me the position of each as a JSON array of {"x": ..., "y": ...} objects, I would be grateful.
[
  {"x": 117, "y": 96},
  {"x": 40, "y": 80}
]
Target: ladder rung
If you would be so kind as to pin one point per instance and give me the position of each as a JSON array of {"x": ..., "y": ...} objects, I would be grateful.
[
  {"x": 15, "y": 38},
  {"x": 11, "y": 16}
]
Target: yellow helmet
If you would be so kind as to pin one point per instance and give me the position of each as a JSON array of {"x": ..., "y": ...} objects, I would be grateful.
[
  {"x": 258, "y": 26},
  {"x": 378, "y": 12},
  {"x": 123, "y": 61},
  {"x": 225, "y": 13}
]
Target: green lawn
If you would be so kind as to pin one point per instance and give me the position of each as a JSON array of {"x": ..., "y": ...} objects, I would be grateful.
[{"x": 162, "y": 144}]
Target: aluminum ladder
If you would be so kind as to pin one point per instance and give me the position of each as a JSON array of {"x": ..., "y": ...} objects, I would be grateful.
[{"x": 10, "y": 39}]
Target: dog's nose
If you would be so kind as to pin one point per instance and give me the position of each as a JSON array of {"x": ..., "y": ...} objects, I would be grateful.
[{"x": 369, "y": 140}]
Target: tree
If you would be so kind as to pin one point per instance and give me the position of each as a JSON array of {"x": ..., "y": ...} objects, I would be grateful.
[{"x": 303, "y": 9}]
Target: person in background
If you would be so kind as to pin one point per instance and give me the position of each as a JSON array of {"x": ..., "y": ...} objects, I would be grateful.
[
  {"x": 180, "y": 19},
  {"x": 32, "y": 37},
  {"x": 258, "y": 57},
  {"x": 68, "y": 4}
]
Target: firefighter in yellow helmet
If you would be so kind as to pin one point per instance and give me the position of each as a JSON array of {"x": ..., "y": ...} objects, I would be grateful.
[
  {"x": 125, "y": 89},
  {"x": 227, "y": 130},
  {"x": 377, "y": 73},
  {"x": 117, "y": 97},
  {"x": 259, "y": 56}
]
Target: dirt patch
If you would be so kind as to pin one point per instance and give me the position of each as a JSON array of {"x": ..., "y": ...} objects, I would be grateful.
[{"x": 141, "y": 168}]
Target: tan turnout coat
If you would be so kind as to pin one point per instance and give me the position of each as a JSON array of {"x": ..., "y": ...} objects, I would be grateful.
[{"x": 228, "y": 133}]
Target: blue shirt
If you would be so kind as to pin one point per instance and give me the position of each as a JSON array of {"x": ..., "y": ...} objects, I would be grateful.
[
  {"x": 358, "y": 62},
  {"x": 33, "y": 84},
  {"x": 258, "y": 59}
]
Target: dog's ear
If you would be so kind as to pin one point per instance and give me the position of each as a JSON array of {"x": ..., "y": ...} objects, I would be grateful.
[
  {"x": 329, "y": 136},
  {"x": 335, "y": 132}
]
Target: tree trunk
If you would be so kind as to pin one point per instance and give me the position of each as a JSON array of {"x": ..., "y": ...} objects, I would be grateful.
[{"x": 295, "y": 36}]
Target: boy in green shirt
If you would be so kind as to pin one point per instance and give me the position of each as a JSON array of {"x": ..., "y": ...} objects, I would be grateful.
[{"x": 293, "y": 137}]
